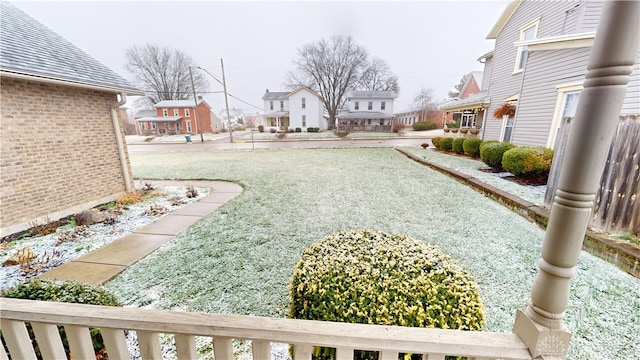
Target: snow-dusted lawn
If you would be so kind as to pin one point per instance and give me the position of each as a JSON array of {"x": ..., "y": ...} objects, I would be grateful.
[{"x": 240, "y": 258}]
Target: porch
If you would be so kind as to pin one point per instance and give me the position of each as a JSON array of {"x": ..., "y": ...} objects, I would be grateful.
[
  {"x": 162, "y": 125},
  {"x": 148, "y": 324},
  {"x": 279, "y": 119},
  {"x": 364, "y": 121}
]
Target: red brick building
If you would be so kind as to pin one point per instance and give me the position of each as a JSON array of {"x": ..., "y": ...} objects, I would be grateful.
[{"x": 173, "y": 117}]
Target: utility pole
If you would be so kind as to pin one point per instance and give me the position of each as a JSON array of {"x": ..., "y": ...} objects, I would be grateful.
[
  {"x": 226, "y": 101},
  {"x": 195, "y": 99}
]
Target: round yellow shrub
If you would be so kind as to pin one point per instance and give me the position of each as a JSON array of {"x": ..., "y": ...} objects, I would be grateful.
[{"x": 375, "y": 277}]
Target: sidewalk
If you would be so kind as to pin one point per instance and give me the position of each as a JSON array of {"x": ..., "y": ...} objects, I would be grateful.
[{"x": 101, "y": 265}]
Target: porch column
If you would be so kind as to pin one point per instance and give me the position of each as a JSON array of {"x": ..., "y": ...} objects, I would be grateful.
[{"x": 541, "y": 324}]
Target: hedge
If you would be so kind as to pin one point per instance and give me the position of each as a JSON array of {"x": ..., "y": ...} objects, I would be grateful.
[
  {"x": 446, "y": 143},
  {"x": 528, "y": 161},
  {"x": 456, "y": 146},
  {"x": 424, "y": 125},
  {"x": 491, "y": 154},
  {"x": 471, "y": 147},
  {"x": 436, "y": 141}
]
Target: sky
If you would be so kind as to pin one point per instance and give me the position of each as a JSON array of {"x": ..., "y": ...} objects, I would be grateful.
[{"x": 429, "y": 44}]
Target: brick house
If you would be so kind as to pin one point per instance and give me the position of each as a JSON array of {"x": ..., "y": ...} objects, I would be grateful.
[
  {"x": 172, "y": 117},
  {"x": 61, "y": 136},
  {"x": 470, "y": 107}
]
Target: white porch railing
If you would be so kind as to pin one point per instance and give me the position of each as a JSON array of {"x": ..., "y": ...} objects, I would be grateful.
[{"x": 222, "y": 329}]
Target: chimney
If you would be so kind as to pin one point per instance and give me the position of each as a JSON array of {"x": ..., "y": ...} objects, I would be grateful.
[
  {"x": 199, "y": 97},
  {"x": 267, "y": 90}
]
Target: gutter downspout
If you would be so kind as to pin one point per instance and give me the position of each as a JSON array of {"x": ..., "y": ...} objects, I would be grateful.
[{"x": 120, "y": 143}]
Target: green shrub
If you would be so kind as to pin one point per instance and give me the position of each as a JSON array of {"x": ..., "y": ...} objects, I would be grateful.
[
  {"x": 66, "y": 291},
  {"x": 528, "y": 161},
  {"x": 456, "y": 146},
  {"x": 313, "y": 129},
  {"x": 298, "y": 129},
  {"x": 452, "y": 124},
  {"x": 446, "y": 143},
  {"x": 487, "y": 142},
  {"x": 424, "y": 125},
  {"x": 491, "y": 154},
  {"x": 373, "y": 277},
  {"x": 471, "y": 147},
  {"x": 436, "y": 141}
]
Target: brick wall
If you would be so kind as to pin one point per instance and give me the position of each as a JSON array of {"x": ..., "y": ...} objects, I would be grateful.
[{"x": 59, "y": 152}]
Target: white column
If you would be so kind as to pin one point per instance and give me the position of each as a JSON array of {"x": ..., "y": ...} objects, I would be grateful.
[{"x": 541, "y": 325}]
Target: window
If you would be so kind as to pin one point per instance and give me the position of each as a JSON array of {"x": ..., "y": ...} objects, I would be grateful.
[
  {"x": 270, "y": 105},
  {"x": 141, "y": 126},
  {"x": 369, "y": 122},
  {"x": 356, "y": 106},
  {"x": 381, "y": 121},
  {"x": 370, "y": 107},
  {"x": 569, "y": 106},
  {"x": 188, "y": 126},
  {"x": 153, "y": 125},
  {"x": 165, "y": 112},
  {"x": 176, "y": 112},
  {"x": 527, "y": 32},
  {"x": 382, "y": 105},
  {"x": 187, "y": 112},
  {"x": 304, "y": 118},
  {"x": 281, "y": 105},
  {"x": 304, "y": 103}
]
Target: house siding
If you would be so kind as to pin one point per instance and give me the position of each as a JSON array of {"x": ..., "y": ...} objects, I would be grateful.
[
  {"x": 631, "y": 104},
  {"x": 591, "y": 16},
  {"x": 486, "y": 77},
  {"x": 545, "y": 70},
  {"x": 505, "y": 83},
  {"x": 59, "y": 152},
  {"x": 312, "y": 110}
]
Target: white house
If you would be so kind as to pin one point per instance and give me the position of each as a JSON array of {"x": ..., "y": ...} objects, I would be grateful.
[
  {"x": 301, "y": 108},
  {"x": 236, "y": 115},
  {"x": 367, "y": 110}
]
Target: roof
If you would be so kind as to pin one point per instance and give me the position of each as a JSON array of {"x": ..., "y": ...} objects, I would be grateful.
[
  {"x": 480, "y": 99},
  {"x": 372, "y": 95},
  {"x": 179, "y": 104},
  {"x": 275, "y": 95},
  {"x": 503, "y": 19},
  {"x": 364, "y": 115},
  {"x": 32, "y": 51},
  {"x": 160, "y": 118},
  {"x": 485, "y": 56},
  {"x": 476, "y": 76},
  {"x": 277, "y": 113},
  {"x": 144, "y": 113},
  {"x": 300, "y": 88}
]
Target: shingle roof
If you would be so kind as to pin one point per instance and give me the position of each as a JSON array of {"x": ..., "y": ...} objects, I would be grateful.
[
  {"x": 275, "y": 95},
  {"x": 472, "y": 101},
  {"x": 144, "y": 113},
  {"x": 178, "y": 103},
  {"x": 372, "y": 95},
  {"x": 29, "y": 48}
]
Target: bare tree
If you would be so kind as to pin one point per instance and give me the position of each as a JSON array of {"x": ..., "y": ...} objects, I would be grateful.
[
  {"x": 424, "y": 102},
  {"x": 330, "y": 68},
  {"x": 377, "y": 76},
  {"x": 457, "y": 88},
  {"x": 163, "y": 72}
]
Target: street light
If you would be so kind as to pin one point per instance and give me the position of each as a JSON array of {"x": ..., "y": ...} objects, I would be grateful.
[{"x": 226, "y": 99}]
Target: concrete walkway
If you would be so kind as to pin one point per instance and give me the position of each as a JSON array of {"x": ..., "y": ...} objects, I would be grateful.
[{"x": 103, "y": 264}]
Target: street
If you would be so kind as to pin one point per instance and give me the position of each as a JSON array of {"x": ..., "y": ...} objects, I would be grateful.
[{"x": 224, "y": 144}]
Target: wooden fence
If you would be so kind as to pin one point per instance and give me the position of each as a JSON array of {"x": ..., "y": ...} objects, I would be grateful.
[{"x": 617, "y": 207}]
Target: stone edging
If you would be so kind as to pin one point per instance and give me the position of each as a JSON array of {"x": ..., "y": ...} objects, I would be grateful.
[{"x": 620, "y": 253}]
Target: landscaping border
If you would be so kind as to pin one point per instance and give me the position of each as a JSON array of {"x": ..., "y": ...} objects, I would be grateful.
[{"x": 624, "y": 255}]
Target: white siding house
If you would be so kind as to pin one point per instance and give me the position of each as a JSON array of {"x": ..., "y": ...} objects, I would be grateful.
[
  {"x": 305, "y": 109},
  {"x": 367, "y": 110},
  {"x": 301, "y": 108},
  {"x": 538, "y": 65}
]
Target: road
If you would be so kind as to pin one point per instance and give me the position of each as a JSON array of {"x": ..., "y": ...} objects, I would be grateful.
[{"x": 224, "y": 144}]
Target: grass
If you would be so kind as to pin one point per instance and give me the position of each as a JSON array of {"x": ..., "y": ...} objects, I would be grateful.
[{"x": 240, "y": 258}]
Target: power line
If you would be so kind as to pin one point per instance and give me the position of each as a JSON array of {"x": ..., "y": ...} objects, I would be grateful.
[{"x": 237, "y": 98}]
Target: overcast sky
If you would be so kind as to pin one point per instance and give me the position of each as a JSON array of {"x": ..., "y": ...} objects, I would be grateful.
[{"x": 426, "y": 43}]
